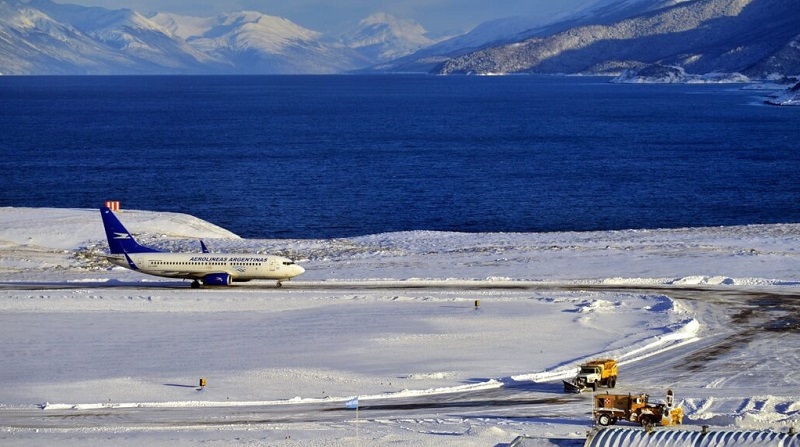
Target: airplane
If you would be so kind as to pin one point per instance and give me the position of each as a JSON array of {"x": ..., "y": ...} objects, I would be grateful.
[{"x": 219, "y": 269}]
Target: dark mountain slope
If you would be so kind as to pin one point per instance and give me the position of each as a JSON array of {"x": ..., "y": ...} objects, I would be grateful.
[{"x": 701, "y": 35}]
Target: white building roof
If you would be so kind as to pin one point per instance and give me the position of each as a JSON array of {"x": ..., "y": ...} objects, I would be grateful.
[{"x": 637, "y": 437}]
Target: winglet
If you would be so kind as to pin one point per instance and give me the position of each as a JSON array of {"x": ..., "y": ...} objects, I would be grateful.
[
  {"x": 120, "y": 239},
  {"x": 203, "y": 246}
]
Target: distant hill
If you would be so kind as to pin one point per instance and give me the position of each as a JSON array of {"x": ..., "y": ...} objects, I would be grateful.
[{"x": 755, "y": 37}]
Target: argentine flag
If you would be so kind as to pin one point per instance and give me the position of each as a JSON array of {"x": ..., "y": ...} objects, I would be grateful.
[{"x": 352, "y": 403}]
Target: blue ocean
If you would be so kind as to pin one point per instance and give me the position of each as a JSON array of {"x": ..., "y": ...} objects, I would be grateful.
[{"x": 340, "y": 156}]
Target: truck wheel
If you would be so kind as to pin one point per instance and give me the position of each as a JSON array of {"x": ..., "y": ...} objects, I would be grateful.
[
  {"x": 612, "y": 382},
  {"x": 604, "y": 420},
  {"x": 645, "y": 420},
  {"x": 594, "y": 386}
]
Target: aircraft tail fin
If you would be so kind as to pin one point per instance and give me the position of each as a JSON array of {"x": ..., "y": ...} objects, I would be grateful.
[{"x": 120, "y": 240}]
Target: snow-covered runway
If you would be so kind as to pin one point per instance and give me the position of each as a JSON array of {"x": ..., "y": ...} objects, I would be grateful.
[{"x": 94, "y": 355}]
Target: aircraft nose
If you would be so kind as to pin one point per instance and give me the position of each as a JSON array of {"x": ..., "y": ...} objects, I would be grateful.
[{"x": 298, "y": 270}]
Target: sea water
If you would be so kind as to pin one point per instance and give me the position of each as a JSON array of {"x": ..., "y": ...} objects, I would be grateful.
[{"x": 339, "y": 156}]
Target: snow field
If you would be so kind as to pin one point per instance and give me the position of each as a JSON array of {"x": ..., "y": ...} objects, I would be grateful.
[{"x": 392, "y": 317}]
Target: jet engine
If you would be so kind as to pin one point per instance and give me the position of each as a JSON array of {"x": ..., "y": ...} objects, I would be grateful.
[{"x": 217, "y": 279}]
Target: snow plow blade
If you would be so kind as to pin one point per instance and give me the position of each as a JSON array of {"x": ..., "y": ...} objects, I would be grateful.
[{"x": 570, "y": 387}]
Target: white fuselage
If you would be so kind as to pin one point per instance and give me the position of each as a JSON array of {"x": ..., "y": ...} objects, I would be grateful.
[{"x": 240, "y": 266}]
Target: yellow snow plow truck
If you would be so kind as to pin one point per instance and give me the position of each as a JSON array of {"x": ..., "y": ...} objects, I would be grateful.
[
  {"x": 610, "y": 408},
  {"x": 593, "y": 374}
]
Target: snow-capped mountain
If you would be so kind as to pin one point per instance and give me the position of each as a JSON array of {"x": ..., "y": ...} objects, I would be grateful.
[
  {"x": 42, "y": 37},
  {"x": 252, "y": 42},
  {"x": 509, "y": 30},
  {"x": 30, "y": 40},
  {"x": 382, "y": 37},
  {"x": 493, "y": 31},
  {"x": 753, "y": 37}
]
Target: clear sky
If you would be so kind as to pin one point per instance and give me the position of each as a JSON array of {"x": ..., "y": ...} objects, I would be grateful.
[{"x": 437, "y": 16}]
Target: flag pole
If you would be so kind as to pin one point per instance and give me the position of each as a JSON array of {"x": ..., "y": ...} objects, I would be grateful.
[{"x": 353, "y": 403}]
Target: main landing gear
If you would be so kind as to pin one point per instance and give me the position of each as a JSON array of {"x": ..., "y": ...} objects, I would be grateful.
[{"x": 196, "y": 284}]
